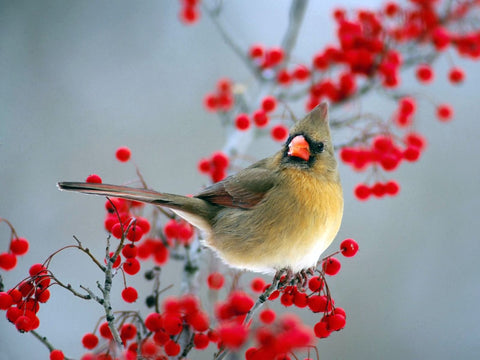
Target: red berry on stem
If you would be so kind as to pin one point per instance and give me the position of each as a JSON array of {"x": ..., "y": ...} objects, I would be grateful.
[
  {"x": 315, "y": 284},
  {"x": 331, "y": 266},
  {"x": 131, "y": 266},
  {"x": 256, "y": 51},
  {"x": 56, "y": 355},
  {"x": 456, "y": 75},
  {"x": 189, "y": 14},
  {"x": 6, "y": 300},
  {"x": 378, "y": 189},
  {"x": 19, "y": 246},
  {"x": 123, "y": 154},
  {"x": 444, "y": 112},
  {"x": 210, "y": 101},
  {"x": 220, "y": 160},
  {"x": 260, "y": 118},
  {"x": 200, "y": 341},
  {"x": 321, "y": 329},
  {"x": 279, "y": 132},
  {"x": 215, "y": 281},
  {"x": 269, "y": 103},
  {"x": 392, "y": 188},
  {"x": 129, "y": 294},
  {"x": 89, "y": 341},
  {"x": 7, "y": 261},
  {"x": 301, "y": 73},
  {"x": 258, "y": 284},
  {"x": 424, "y": 73},
  {"x": 172, "y": 348},
  {"x": 348, "y": 247},
  {"x": 267, "y": 316},
  {"x": 94, "y": 179},
  {"x": 362, "y": 192}
]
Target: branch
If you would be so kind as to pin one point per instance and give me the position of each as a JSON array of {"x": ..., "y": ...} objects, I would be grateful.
[
  {"x": 297, "y": 12},
  {"x": 44, "y": 341}
]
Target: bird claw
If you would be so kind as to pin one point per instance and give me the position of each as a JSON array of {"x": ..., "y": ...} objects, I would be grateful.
[{"x": 286, "y": 277}]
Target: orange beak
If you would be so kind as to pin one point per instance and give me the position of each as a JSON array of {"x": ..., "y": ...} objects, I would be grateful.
[{"x": 299, "y": 147}]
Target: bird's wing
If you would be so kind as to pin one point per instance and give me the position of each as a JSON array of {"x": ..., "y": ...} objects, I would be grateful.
[{"x": 242, "y": 190}]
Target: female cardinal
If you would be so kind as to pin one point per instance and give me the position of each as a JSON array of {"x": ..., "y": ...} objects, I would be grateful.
[{"x": 280, "y": 213}]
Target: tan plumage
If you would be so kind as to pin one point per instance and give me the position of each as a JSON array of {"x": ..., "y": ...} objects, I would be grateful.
[{"x": 281, "y": 212}]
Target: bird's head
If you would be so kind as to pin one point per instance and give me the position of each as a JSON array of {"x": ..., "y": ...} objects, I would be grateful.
[{"x": 309, "y": 145}]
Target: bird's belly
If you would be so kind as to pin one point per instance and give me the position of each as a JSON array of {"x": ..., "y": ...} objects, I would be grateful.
[{"x": 295, "y": 238}]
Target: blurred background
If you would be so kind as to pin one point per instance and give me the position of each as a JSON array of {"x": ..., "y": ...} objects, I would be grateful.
[{"x": 79, "y": 79}]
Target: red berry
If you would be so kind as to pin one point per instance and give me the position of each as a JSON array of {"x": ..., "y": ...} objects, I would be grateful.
[
  {"x": 279, "y": 132},
  {"x": 284, "y": 77},
  {"x": 392, "y": 188},
  {"x": 200, "y": 321},
  {"x": 128, "y": 331},
  {"x": 117, "y": 260},
  {"x": 232, "y": 335},
  {"x": 258, "y": 284},
  {"x": 411, "y": 153},
  {"x": 444, "y": 112},
  {"x": 89, "y": 341},
  {"x": 189, "y": 14},
  {"x": 23, "y": 323},
  {"x": 210, "y": 101},
  {"x": 300, "y": 299},
  {"x": 241, "y": 302},
  {"x": 315, "y": 284},
  {"x": 256, "y": 51},
  {"x": 215, "y": 281},
  {"x": 319, "y": 303},
  {"x": 19, "y": 246},
  {"x": 456, "y": 75},
  {"x": 56, "y": 355},
  {"x": 301, "y": 73},
  {"x": 94, "y": 179},
  {"x": 242, "y": 122},
  {"x": 416, "y": 140},
  {"x": 172, "y": 324},
  {"x": 378, "y": 189},
  {"x": 407, "y": 106},
  {"x": 200, "y": 341},
  {"x": 172, "y": 348},
  {"x": 117, "y": 230},
  {"x": 131, "y": 266},
  {"x": 335, "y": 322},
  {"x": 6, "y": 300},
  {"x": 204, "y": 166},
  {"x": 220, "y": 160},
  {"x": 267, "y": 316},
  {"x": 129, "y": 251},
  {"x": 42, "y": 295},
  {"x": 274, "y": 56},
  {"x": 269, "y": 103},
  {"x": 424, "y": 73},
  {"x": 331, "y": 266},
  {"x": 260, "y": 118},
  {"x": 349, "y": 247},
  {"x": 391, "y": 8},
  {"x": 129, "y": 294},
  {"x": 286, "y": 299},
  {"x": 154, "y": 322},
  {"x": 321, "y": 329},
  {"x": 7, "y": 261},
  {"x": 362, "y": 192},
  {"x": 123, "y": 154}
]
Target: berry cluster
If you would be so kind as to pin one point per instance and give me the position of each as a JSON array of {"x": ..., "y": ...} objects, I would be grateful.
[
  {"x": 216, "y": 166},
  {"x": 266, "y": 58},
  {"x": 23, "y": 301},
  {"x": 18, "y": 247},
  {"x": 222, "y": 99}
]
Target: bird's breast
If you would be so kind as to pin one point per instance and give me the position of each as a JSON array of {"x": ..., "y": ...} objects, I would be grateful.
[{"x": 291, "y": 227}]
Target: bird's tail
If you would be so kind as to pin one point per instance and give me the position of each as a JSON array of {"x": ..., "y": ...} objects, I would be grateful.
[{"x": 186, "y": 204}]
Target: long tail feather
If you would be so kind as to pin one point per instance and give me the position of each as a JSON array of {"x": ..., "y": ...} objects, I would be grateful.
[{"x": 194, "y": 206}]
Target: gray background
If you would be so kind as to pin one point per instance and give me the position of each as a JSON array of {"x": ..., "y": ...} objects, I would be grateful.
[{"x": 79, "y": 79}]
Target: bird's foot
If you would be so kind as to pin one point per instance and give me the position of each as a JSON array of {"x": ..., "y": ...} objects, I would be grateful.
[{"x": 286, "y": 277}]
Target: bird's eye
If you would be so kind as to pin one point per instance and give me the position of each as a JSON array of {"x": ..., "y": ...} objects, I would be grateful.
[{"x": 318, "y": 147}]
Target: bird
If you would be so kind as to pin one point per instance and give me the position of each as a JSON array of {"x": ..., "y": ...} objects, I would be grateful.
[{"x": 278, "y": 214}]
